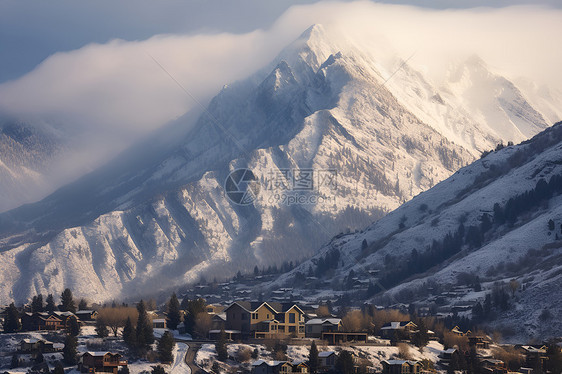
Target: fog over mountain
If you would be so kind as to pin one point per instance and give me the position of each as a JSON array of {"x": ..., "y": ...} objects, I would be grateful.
[{"x": 157, "y": 214}]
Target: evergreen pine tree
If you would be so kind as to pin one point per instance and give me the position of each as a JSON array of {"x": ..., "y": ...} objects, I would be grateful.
[
  {"x": 51, "y": 306},
  {"x": 83, "y": 304},
  {"x": 166, "y": 346},
  {"x": 145, "y": 333},
  {"x": 220, "y": 347},
  {"x": 344, "y": 363},
  {"x": 421, "y": 337},
  {"x": 67, "y": 301},
  {"x": 37, "y": 304},
  {"x": 313, "y": 358},
  {"x": 12, "y": 319},
  {"x": 15, "y": 361},
  {"x": 158, "y": 370},
  {"x": 59, "y": 369},
  {"x": 69, "y": 351},
  {"x": 129, "y": 333},
  {"x": 101, "y": 329},
  {"x": 174, "y": 315},
  {"x": 74, "y": 327}
]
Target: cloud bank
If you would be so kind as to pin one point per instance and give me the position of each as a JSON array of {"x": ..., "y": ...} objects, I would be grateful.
[{"x": 117, "y": 91}]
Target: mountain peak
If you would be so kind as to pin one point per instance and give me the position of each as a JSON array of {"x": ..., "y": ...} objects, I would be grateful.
[{"x": 310, "y": 50}]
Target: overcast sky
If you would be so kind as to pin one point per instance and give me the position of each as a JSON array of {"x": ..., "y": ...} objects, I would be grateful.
[
  {"x": 91, "y": 64},
  {"x": 32, "y": 30}
]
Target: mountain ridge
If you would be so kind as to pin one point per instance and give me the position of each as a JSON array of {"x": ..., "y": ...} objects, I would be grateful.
[{"x": 159, "y": 215}]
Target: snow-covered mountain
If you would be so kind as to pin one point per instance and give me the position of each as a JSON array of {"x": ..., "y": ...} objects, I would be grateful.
[
  {"x": 158, "y": 216},
  {"x": 26, "y": 154},
  {"x": 491, "y": 226}
]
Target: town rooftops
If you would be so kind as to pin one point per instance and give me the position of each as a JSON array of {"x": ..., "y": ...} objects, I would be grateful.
[
  {"x": 99, "y": 353},
  {"x": 400, "y": 362},
  {"x": 251, "y": 306},
  {"x": 321, "y": 321},
  {"x": 268, "y": 363},
  {"x": 396, "y": 325}
]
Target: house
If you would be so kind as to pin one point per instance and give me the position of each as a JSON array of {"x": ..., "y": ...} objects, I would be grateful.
[
  {"x": 493, "y": 366},
  {"x": 447, "y": 355},
  {"x": 399, "y": 330},
  {"x": 41, "y": 321},
  {"x": 271, "y": 367},
  {"x": 300, "y": 367},
  {"x": 457, "y": 331},
  {"x": 101, "y": 362},
  {"x": 35, "y": 346},
  {"x": 159, "y": 323},
  {"x": 535, "y": 355},
  {"x": 265, "y": 319},
  {"x": 214, "y": 309},
  {"x": 87, "y": 315},
  {"x": 66, "y": 317},
  {"x": 218, "y": 321},
  {"x": 401, "y": 367},
  {"x": 316, "y": 326},
  {"x": 479, "y": 341},
  {"x": 326, "y": 361}
]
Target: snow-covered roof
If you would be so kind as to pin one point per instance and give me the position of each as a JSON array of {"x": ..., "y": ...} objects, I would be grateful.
[
  {"x": 268, "y": 363},
  {"x": 321, "y": 321},
  {"x": 159, "y": 320},
  {"x": 400, "y": 362},
  {"x": 326, "y": 353}
]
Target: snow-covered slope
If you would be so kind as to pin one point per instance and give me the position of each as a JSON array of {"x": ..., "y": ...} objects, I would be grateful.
[
  {"x": 158, "y": 215},
  {"x": 26, "y": 155},
  {"x": 498, "y": 219}
]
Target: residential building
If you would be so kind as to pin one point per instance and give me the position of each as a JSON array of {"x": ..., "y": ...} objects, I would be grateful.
[
  {"x": 316, "y": 326},
  {"x": 535, "y": 355},
  {"x": 401, "y": 367},
  {"x": 41, "y": 321},
  {"x": 265, "y": 319},
  {"x": 101, "y": 362},
  {"x": 479, "y": 341},
  {"x": 159, "y": 323},
  {"x": 326, "y": 361},
  {"x": 33, "y": 345},
  {"x": 493, "y": 366},
  {"x": 398, "y": 330},
  {"x": 87, "y": 315},
  {"x": 272, "y": 367}
]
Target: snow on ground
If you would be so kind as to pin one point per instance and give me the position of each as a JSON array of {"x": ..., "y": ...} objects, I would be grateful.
[
  {"x": 206, "y": 356},
  {"x": 179, "y": 366}
]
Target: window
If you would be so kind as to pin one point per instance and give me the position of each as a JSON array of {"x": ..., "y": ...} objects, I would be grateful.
[
  {"x": 267, "y": 315},
  {"x": 254, "y": 316},
  {"x": 292, "y": 329},
  {"x": 292, "y": 318}
]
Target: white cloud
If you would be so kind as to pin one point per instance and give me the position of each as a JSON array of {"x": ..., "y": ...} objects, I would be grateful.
[{"x": 120, "y": 92}]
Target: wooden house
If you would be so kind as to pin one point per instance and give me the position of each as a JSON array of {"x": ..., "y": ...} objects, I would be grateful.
[
  {"x": 327, "y": 361},
  {"x": 101, "y": 362},
  {"x": 399, "y": 330},
  {"x": 265, "y": 320},
  {"x": 401, "y": 367},
  {"x": 33, "y": 345},
  {"x": 41, "y": 321},
  {"x": 316, "y": 326},
  {"x": 87, "y": 315}
]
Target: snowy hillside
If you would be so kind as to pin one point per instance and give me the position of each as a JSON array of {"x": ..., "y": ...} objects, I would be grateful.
[
  {"x": 158, "y": 216},
  {"x": 494, "y": 224},
  {"x": 26, "y": 156}
]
